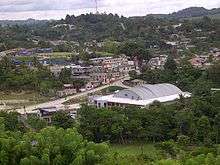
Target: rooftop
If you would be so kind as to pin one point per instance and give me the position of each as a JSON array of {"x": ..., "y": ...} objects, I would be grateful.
[{"x": 145, "y": 94}]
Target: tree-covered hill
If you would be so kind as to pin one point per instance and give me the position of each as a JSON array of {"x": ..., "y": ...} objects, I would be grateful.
[{"x": 189, "y": 13}]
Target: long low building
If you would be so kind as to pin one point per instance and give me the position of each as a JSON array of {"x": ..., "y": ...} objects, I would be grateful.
[{"x": 142, "y": 96}]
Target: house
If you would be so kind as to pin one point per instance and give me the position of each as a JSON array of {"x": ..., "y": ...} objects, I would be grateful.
[
  {"x": 171, "y": 43},
  {"x": 44, "y": 50},
  {"x": 2, "y": 54},
  {"x": 99, "y": 60},
  {"x": 102, "y": 77},
  {"x": 78, "y": 70},
  {"x": 46, "y": 113},
  {"x": 109, "y": 69},
  {"x": 197, "y": 62},
  {"x": 158, "y": 62},
  {"x": 68, "y": 90},
  {"x": 25, "y": 52},
  {"x": 56, "y": 69},
  {"x": 141, "y": 96}
]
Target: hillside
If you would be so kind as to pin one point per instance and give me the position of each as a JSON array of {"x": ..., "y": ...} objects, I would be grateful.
[
  {"x": 22, "y": 22},
  {"x": 190, "y": 13}
]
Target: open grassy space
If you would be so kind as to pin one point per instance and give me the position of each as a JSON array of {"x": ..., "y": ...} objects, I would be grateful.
[
  {"x": 103, "y": 54},
  {"x": 25, "y": 58},
  {"x": 57, "y": 54},
  {"x": 134, "y": 149},
  {"x": 22, "y": 98}
]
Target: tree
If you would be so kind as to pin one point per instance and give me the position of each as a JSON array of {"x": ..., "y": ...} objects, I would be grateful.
[
  {"x": 133, "y": 74},
  {"x": 214, "y": 74},
  {"x": 36, "y": 123},
  {"x": 51, "y": 146},
  {"x": 204, "y": 130},
  {"x": 217, "y": 128},
  {"x": 170, "y": 64},
  {"x": 135, "y": 49},
  {"x": 65, "y": 76},
  {"x": 202, "y": 88},
  {"x": 63, "y": 120},
  {"x": 2, "y": 47}
]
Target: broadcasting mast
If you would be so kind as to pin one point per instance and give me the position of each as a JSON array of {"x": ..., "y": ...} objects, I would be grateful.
[{"x": 96, "y": 6}]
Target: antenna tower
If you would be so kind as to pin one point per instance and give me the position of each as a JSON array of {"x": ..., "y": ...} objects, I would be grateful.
[{"x": 96, "y": 6}]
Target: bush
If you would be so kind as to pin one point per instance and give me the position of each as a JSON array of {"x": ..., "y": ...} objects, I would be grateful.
[
  {"x": 203, "y": 150},
  {"x": 183, "y": 140},
  {"x": 169, "y": 147}
]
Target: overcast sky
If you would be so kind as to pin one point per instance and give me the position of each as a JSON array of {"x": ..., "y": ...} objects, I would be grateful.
[{"x": 56, "y": 9}]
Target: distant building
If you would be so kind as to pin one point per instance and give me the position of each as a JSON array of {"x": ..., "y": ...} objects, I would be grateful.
[
  {"x": 141, "y": 96},
  {"x": 25, "y": 52},
  {"x": 78, "y": 70},
  {"x": 197, "y": 62},
  {"x": 158, "y": 62},
  {"x": 108, "y": 69},
  {"x": 99, "y": 60},
  {"x": 46, "y": 113},
  {"x": 44, "y": 50},
  {"x": 68, "y": 90},
  {"x": 56, "y": 69}
]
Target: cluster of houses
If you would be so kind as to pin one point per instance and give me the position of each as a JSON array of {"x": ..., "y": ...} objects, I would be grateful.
[
  {"x": 100, "y": 71},
  {"x": 157, "y": 62},
  {"x": 27, "y": 52},
  {"x": 207, "y": 59}
]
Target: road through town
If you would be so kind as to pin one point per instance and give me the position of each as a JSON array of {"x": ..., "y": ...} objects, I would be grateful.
[{"x": 60, "y": 101}]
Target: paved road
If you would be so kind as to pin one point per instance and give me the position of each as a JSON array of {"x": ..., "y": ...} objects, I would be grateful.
[{"x": 60, "y": 101}]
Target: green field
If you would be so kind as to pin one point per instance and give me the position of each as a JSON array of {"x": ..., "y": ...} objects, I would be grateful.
[
  {"x": 136, "y": 153},
  {"x": 134, "y": 149},
  {"x": 104, "y": 54},
  {"x": 25, "y": 58},
  {"x": 56, "y": 55}
]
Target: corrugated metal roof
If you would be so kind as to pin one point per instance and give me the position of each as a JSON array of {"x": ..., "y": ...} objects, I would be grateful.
[{"x": 149, "y": 91}]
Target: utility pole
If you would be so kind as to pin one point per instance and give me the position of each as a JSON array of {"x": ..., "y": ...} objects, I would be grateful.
[{"x": 96, "y": 6}]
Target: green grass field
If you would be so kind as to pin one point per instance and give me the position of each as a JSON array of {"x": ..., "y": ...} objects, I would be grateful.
[
  {"x": 56, "y": 55},
  {"x": 103, "y": 54},
  {"x": 134, "y": 149},
  {"x": 25, "y": 58}
]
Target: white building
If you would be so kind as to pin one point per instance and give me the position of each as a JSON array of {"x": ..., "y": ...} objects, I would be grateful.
[
  {"x": 158, "y": 62},
  {"x": 141, "y": 96}
]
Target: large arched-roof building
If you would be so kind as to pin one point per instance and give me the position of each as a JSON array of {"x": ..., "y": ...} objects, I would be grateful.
[
  {"x": 142, "y": 95},
  {"x": 148, "y": 91}
]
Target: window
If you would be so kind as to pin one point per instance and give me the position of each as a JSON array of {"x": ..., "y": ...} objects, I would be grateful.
[{"x": 126, "y": 94}]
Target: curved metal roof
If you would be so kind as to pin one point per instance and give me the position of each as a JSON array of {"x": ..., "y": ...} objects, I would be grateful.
[
  {"x": 149, "y": 91},
  {"x": 161, "y": 90}
]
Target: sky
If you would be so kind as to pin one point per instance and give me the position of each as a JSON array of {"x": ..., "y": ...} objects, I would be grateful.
[{"x": 57, "y": 9}]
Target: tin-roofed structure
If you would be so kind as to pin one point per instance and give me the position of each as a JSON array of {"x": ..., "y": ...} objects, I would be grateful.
[{"x": 142, "y": 95}]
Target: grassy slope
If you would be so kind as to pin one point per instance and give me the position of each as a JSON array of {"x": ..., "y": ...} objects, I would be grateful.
[{"x": 31, "y": 97}]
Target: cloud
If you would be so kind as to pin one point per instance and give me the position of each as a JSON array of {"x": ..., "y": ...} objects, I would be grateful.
[{"x": 46, "y": 9}]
